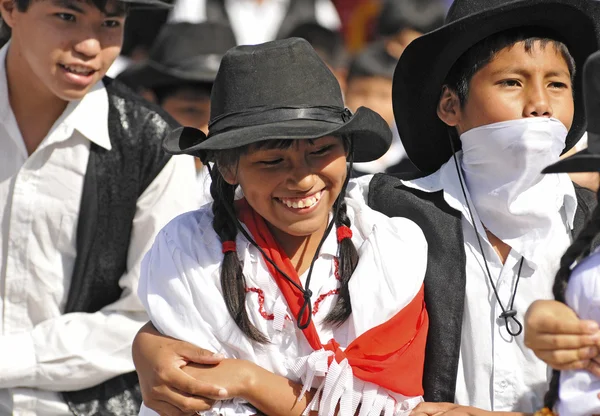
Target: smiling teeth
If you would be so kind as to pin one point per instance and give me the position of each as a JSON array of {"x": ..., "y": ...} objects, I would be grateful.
[
  {"x": 302, "y": 203},
  {"x": 78, "y": 69}
]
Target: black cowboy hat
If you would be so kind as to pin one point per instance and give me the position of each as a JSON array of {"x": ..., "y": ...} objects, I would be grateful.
[
  {"x": 280, "y": 90},
  {"x": 182, "y": 53},
  {"x": 426, "y": 62},
  {"x": 587, "y": 160}
]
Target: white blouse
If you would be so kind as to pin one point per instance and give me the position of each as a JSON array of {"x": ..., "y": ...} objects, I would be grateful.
[
  {"x": 579, "y": 389},
  {"x": 180, "y": 288}
]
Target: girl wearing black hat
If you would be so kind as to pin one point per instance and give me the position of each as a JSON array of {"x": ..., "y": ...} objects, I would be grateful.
[{"x": 299, "y": 284}]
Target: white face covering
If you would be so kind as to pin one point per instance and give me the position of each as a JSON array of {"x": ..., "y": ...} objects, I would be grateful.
[{"x": 502, "y": 164}]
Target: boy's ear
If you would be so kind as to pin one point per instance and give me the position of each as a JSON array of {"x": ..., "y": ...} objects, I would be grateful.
[
  {"x": 7, "y": 9},
  {"x": 448, "y": 109}
]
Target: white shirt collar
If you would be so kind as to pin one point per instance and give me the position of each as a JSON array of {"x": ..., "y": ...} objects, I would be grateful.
[
  {"x": 89, "y": 116},
  {"x": 446, "y": 179}
]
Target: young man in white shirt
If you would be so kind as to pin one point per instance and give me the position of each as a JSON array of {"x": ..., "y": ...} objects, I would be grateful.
[
  {"x": 84, "y": 187},
  {"x": 500, "y": 81}
]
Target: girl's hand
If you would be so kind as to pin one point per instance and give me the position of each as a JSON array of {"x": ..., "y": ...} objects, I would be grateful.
[
  {"x": 237, "y": 377},
  {"x": 560, "y": 339},
  {"x": 166, "y": 388}
]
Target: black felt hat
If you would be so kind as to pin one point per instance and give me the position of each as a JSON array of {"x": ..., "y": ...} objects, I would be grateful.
[
  {"x": 426, "y": 62},
  {"x": 182, "y": 53},
  {"x": 280, "y": 90},
  {"x": 587, "y": 160}
]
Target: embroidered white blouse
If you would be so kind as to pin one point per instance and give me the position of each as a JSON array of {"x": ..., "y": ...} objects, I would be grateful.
[
  {"x": 579, "y": 389},
  {"x": 180, "y": 288}
]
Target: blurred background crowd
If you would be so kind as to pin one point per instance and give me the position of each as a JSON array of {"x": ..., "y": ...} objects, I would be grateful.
[{"x": 171, "y": 56}]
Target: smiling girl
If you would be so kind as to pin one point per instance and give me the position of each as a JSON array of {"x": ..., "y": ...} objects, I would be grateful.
[{"x": 310, "y": 319}]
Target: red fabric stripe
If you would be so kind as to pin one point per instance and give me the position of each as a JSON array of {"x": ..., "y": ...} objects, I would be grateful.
[{"x": 390, "y": 355}]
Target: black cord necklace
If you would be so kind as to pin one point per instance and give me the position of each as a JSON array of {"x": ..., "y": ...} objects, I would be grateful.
[{"x": 507, "y": 313}]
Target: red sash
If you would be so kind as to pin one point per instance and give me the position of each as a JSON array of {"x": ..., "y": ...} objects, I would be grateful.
[{"x": 390, "y": 355}]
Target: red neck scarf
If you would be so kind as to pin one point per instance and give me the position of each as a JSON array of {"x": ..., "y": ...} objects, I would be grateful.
[{"x": 390, "y": 355}]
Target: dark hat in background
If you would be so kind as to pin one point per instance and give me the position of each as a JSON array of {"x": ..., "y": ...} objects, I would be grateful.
[
  {"x": 280, "y": 90},
  {"x": 420, "y": 15},
  {"x": 328, "y": 43},
  {"x": 426, "y": 62},
  {"x": 587, "y": 160},
  {"x": 372, "y": 61},
  {"x": 182, "y": 53}
]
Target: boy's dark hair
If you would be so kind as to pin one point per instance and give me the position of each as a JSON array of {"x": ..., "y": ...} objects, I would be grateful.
[
  {"x": 420, "y": 15},
  {"x": 162, "y": 93},
  {"x": 329, "y": 44},
  {"x": 482, "y": 53},
  {"x": 233, "y": 282},
  {"x": 581, "y": 248}
]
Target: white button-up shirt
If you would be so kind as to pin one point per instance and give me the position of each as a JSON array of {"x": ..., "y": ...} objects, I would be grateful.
[
  {"x": 42, "y": 350},
  {"x": 254, "y": 22},
  {"x": 496, "y": 371}
]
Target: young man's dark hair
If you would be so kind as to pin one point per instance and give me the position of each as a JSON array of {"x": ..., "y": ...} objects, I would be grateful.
[{"x": 85, "y": 187}]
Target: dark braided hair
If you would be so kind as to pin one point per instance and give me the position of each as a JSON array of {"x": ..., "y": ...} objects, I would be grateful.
[
  {"x": 348, "y": 258},
  {"x": 232, "y": 277},
  {"x": 580, "y": 249},
  {"x": 233, "y": 282}
]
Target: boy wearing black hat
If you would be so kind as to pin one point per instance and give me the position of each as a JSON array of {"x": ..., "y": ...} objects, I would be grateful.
[
  {"x": 84, "y": 187},
  {"x": 181, "y": 69},
  {"x": 483, "y": 105}
]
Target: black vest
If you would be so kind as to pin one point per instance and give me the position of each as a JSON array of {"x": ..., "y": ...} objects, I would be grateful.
[
  {"x": 113, "y": 182},
  {"x": 445, "y": 276},
  {"x": 299, "y": 12}
]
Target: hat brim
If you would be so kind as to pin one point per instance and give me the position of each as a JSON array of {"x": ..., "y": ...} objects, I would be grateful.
[
  {"x": 371, "y": 135},
  {"x": 425, "y": 63},
  {"x": 582, "y": 161},
  {"x": 150, "y": 74}
]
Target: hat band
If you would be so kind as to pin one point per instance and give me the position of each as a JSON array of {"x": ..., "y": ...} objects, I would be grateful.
[{"x": 261, "y": 116}]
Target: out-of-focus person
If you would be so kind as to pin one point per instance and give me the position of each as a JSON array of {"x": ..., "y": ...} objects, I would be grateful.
[
  {"x": 179, "y": 75},
  {"x": 369, "y": 84},
  {"x": 402, "y": 21},
  {"x": 258, "y": 21},
  {"x": 329, "y": 45}
]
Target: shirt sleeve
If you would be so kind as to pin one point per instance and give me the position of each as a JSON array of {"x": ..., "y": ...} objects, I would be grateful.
[
  {"x": 75, "y": 351},
  {"x": 579, "y": 389}
]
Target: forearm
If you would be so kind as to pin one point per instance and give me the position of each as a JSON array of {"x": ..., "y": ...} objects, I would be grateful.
[
  {"x": 275, "y": 395},
  {"x": 70, "y": 352}
]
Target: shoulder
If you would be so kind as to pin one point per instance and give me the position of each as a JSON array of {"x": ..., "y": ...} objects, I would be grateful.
[
  {"x": 192, "y": 236},
  {"x": 141, "y": 120},
  {"x": 388, "y": 230}
]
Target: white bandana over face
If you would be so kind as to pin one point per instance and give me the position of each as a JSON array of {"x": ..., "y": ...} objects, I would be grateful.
[{"x": 502, "y": 165}]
